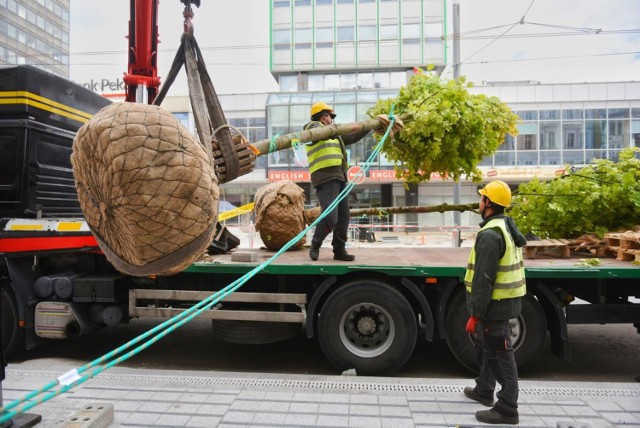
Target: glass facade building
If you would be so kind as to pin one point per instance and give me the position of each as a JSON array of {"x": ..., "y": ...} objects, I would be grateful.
[{"x": 35, "y": 32}]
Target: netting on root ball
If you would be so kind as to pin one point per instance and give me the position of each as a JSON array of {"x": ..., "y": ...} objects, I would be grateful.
[{"x": 146, "y": 187}]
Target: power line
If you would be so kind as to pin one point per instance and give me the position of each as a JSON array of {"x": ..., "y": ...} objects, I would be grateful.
[
  {"x": 498, "y": 38},
  {"x": 553, "y": 57}
]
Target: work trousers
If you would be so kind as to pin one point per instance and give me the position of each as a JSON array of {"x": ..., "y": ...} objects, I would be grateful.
[
  {"x": 337, "y": 220},
  {"x": 498, "y": 363}
]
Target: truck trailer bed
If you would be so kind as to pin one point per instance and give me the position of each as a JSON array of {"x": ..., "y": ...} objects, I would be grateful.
[{"x": 406, "y": 261}]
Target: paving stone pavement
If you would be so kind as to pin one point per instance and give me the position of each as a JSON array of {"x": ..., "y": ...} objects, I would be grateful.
[{"x": 146, "y": 398}]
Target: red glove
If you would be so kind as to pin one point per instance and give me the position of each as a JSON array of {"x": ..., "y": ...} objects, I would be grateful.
[{"x": 471, "y": 324}]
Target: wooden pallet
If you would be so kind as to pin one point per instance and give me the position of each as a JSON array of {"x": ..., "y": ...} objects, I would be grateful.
[
  {"x": 624, "y": 245},
  {"x": 548, "y": 248}
]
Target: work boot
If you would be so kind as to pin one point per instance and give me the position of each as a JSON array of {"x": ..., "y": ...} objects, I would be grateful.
[
  {"x": 314, "y": 253},
  {"x": 492, "y": 416},
  {"x": 485, "y": 400},
  {"x": 343, "y": 255}
]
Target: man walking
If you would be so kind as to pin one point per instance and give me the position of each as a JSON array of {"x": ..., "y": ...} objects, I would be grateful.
[
  {"x": 495, "y": 284},
  {"x": 328, "y": 166}
]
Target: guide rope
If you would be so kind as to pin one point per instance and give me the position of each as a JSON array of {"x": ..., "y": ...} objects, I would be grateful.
[{"x": 78, "y": 376}]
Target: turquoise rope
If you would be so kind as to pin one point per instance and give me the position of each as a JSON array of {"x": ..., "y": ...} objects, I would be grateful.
[
  {"x": 272, "y": 142},
  {"x": 179, "y": 319}
]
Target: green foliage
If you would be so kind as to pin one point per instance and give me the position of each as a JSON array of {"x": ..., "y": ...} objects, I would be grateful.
[
  {"x": 601, "y": 197},
  {"x": 450, "y": 132}
]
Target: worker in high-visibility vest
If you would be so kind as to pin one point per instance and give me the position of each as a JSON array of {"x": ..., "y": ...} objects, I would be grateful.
[
  {"x": 328, "y": 165},
  {"x": 495, "y": 285}
]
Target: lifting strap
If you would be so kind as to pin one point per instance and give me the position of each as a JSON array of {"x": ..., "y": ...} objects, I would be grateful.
[{"x": 206, "y": 107}]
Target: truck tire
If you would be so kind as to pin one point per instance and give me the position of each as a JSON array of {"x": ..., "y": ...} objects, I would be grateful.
[
  {"x": 254, "y": 332},
  {"x": 528, "y": 333},
  {"x": 12, "y": 334},
  {"x": 368, "y": 326}
]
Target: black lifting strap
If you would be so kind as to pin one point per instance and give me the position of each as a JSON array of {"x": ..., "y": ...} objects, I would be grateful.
[{"x": 206, "y": 107}]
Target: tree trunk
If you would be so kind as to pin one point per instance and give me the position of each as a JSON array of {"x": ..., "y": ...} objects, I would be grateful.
[
  {"x": 406, "y": 210},
  {"x": 316, "y": 134}
]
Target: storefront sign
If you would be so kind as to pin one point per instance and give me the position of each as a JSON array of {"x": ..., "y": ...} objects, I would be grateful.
[
  {"x": 523, "y": 173},
  {"x": 104, "y": 85},
  {"x": 300, "y": 176},
  {"x": 356, "y": 174}
]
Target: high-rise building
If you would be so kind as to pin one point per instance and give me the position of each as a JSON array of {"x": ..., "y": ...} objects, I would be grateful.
[
  {"x": 318, "y": 45},
  {"x": 35, "y": 32}
]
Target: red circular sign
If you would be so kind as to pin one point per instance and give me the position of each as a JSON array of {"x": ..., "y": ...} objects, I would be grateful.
[{"x": 356, "y": 175}]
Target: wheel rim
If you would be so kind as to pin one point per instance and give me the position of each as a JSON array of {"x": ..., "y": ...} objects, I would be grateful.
[
  {"x": 516, "y": 325},
  {"x": 367, "y": 330}
]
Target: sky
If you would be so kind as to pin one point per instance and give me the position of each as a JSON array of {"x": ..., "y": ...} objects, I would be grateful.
[{"x": 547, "y": 41}]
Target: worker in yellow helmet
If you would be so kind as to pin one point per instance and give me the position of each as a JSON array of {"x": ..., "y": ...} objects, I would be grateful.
[
  {"x": 328, "y": 167},
  {"x": 495, "y": 284}
]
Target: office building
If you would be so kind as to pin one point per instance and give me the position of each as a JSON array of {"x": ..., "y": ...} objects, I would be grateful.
[{"x": 35, "y": 32}]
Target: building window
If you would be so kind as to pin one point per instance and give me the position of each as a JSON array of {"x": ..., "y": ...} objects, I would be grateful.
[
  {"x": 367, "y": 33},
  {"x": 288, "y": 83},
  {"x": 281, "y": 3},
  {"x": 345, "y": 33}
]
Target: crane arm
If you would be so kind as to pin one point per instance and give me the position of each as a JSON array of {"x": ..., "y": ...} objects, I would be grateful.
[{"x": 142, "y": 71}]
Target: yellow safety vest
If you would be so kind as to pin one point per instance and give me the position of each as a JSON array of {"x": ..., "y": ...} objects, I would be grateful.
[
  {"x": 510, "y": 280},
  {"x": 324, "y": 153}
]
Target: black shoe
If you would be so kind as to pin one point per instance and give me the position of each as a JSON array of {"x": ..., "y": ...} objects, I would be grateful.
[
  {"x": 314, "y": 253},
  {"x": 471, "y": 393},
  {"x": 344, "y": 256},
  {"x": 492, "y": 416}
]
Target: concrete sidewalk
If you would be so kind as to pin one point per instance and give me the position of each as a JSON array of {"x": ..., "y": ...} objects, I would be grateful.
[{"x": 144, "y": 398}]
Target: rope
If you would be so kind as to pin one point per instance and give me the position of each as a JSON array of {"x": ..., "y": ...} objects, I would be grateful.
[
  {"x": 272, "y": 142},
  {"x": 78, "y": 376},
  {"x": 226, "y": 125}
]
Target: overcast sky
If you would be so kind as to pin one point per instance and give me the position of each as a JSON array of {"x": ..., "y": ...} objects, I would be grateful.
[{"x": 557, "y": 41}]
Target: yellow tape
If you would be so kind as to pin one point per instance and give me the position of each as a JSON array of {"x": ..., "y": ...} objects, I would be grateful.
[{"x": 236, "y": 212}]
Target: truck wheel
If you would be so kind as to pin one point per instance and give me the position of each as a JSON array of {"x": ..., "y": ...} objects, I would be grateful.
[
  {"x": 12, "y": 335},
  {"x": 528, "y": 333},
  {"x": 368, "y": 326},
  {"x": 254, "y": 332}
]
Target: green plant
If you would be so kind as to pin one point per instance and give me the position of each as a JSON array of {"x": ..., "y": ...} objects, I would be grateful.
[
  {"x": 600, "y": 197},
  {"x": 450, "y": 132}
]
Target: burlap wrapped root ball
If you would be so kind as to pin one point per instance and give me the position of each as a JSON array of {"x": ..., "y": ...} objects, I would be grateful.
[
  {"x": 146, "y": 187},
  {"x": 280, "y": 215}
]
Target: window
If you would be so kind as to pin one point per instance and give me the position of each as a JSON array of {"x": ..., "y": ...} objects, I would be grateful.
[
  {"x": 288, "y": 83},
  {"x": 302, "y": 36},
  {"x": 321, "y": 2},
  {"x": 388, "y": 32},
  {"x": 281, "y": 37},
  {"x": 549, "y": 114},
  {"x": 572, "y": 114},
  {"x": 315, "y": 82},
  {"x": 281, "y": 3},
  {"x": 303, "y": 3},
  {"x": 572, "y": 135},
  {"x": 367, "y": 33},
  {"x": 345, "y": 34},
  {"x": 618, "y": 113}
]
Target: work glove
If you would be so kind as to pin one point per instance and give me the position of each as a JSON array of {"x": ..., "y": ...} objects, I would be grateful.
[
  {"x": 384, "y": 120},
  {"x": 471, "y": 324}
]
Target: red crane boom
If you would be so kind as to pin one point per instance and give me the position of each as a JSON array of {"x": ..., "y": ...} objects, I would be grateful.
[{"x": 143, "y": 52}]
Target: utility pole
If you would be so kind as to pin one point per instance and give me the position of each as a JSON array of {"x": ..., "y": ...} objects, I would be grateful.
[{"x": 456, "y": 74}]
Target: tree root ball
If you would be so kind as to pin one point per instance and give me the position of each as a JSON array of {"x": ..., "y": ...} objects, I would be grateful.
[{"x": 146, "y": 187}]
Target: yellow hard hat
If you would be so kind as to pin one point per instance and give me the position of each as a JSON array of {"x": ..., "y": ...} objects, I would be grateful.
[
  {"x": 498, "y": 192},
  {"x": 318, "y": 107}
]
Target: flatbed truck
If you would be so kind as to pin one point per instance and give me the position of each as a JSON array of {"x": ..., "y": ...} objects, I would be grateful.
[{"x": 56, "y": 284}]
